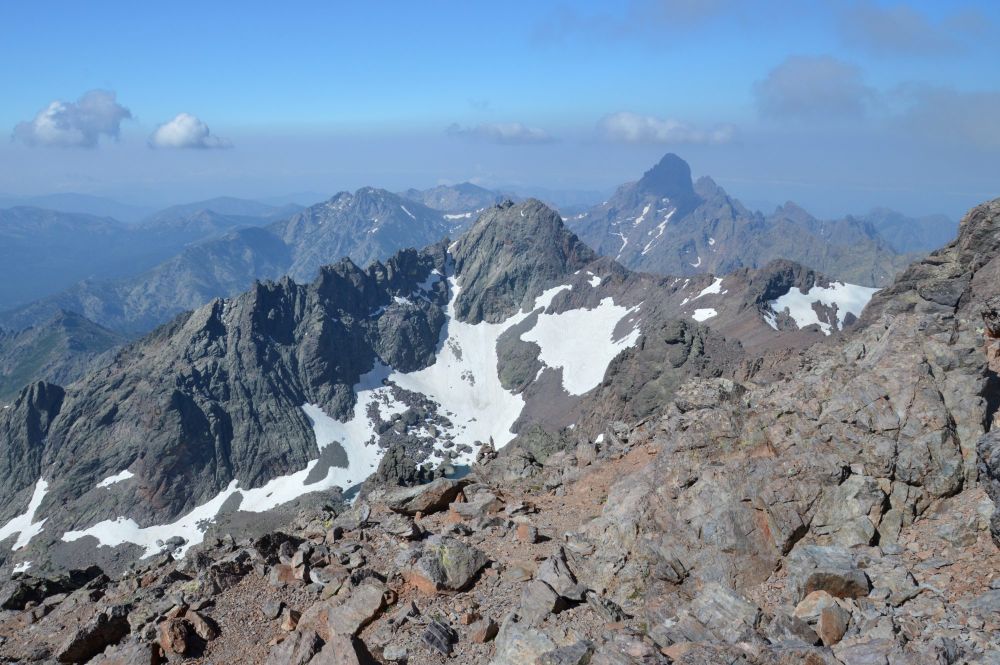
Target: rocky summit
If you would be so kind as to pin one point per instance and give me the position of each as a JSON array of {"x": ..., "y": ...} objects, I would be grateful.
[{"x": 509, "y": 449}]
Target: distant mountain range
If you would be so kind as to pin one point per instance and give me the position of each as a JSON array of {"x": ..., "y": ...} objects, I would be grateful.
[
  {"x": 370, "y": 224},
  {"x": 461, "y": 198},
  {"x": 667, "y": 224},
  {"x": 83, "y": 204},
  {"x": 44, "y": 251},
  {"x": 59, "y": 350}
]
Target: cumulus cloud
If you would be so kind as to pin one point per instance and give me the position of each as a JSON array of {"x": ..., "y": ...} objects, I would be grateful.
[
  {"x": 186, "y": 131},
  {"x": 629, "y": 127},
  {"x": 814, "y": 87},
  {"x": 901, "y": 29},
  {"x": 75, "y": 124},
  {"x": 507, "y": 133}
]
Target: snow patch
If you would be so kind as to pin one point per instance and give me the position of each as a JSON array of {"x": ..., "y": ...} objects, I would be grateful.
[
  {"x": 407, "y": 212},
  {"x": 24, "y": 525},
  {"x": 714, "y": 287},
  {"x": 704, "y": 314},
  {"x": 711, "y": 241},
  {"x": 583, "y": 357},
  {"x": 22, "y": 567},
  {"x": 117, "y": 478},
  {"x": 594, "y": 280},
  {"x": 697, "y": 263}
]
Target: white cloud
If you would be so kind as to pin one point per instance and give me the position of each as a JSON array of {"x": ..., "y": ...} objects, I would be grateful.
[
  {"x": 186, "y": 131},
  {"x": 508, "y": 133},
  {"x": 75, "y": 124},
  {"x": 629, "y": 127}
]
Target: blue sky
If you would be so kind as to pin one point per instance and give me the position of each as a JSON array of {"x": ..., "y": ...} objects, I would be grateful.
[{"x": 839, "y": 106}]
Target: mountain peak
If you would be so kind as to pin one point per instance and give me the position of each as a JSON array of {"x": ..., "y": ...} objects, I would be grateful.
[
  {"x": 511, "y": 253},
  {"x": 670, "y": 178}
]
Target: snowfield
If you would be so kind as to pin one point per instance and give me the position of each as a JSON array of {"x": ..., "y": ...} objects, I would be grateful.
[
  {"x": 845, "y": 297},
  {"x": 704, "y": 314}
]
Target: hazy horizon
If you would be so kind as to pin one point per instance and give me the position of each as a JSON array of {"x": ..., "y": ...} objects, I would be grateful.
[{"x": 840, "y": 107}]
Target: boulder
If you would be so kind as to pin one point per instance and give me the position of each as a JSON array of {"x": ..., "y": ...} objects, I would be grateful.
[
  {"x": 107, "y": 628},
  {"x": 446, "y": 564},
  {"x": 430, "y": 498},
  {"x": 296, "y": 649},
  {"x": 555, "y": 572},
  {"x": 538, "y": 601},
  {"x": 204, "y": 627},
  {"x": 353, "y": 614},
  {"x": 440, "y": 637},
  {"x": 832, "y": 624},
  {"x": 342, "y": 650},
  {"x": 518, "y": 644},
  {"x": 831, "y": 569},
  {"x": 175, "y": 636}
]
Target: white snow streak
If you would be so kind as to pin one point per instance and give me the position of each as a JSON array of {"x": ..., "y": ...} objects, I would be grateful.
[
  {"x": 641, "y": 218},
  {"x": 407, "y": 212},
  {"x": 624, "y": 242},
  {"x": 24, "y": 525},
  {"x": 117, "y": 478}
]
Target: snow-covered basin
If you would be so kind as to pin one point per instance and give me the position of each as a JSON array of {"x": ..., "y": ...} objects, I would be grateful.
[
  {"x": 463, "y": 380},
  {"x": 848, "y": 298}
]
